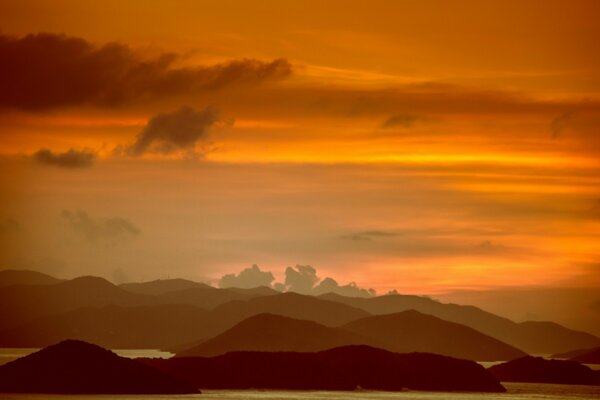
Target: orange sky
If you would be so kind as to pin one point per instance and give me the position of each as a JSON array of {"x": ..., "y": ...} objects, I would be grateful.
[{"x": 424, "y": 146}]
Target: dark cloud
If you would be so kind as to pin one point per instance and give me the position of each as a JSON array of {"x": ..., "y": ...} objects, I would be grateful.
[
  {"x": 178, "y": 130},
  {"x": 99, "y": 228},
  {"x": 559, "y": 123},
  {"x": 400, "y": 120},
  {"x": 69, "y": 159},
  {"x": 248, "y": 278},
  {"x": 368, "y": 236},
  {"x": 45, "y": 70}
]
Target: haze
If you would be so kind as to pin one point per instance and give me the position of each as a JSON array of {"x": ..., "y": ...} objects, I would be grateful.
[{"x": 441, "y": 148}]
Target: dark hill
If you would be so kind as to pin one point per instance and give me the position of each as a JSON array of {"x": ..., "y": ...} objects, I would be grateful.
[
  {"x": 540, "y": 370},
  {"x": 25, "y": 277},
  {"x": 161, "y": 286},
  {"x": 590, "y": 357},
  {"x": 115, "y": 327},
  {"x": 293, "y": 305},
  {"x": 268, "y": 332},
  {"x": 20, "y": 303},
  {"x": 570, "y": 354},
  {"x": 531, "y": 337},
  {"x": 343, "y": 368},
  {"x": 411, "y": 331},
  {"x": 78, "y": 367}
]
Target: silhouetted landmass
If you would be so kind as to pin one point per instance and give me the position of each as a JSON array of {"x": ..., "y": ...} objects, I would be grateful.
[
  {"x": 531, "y": 337},
  {"x": 25, "y": 277},
  {"x": 78, "y": 367},
  {"x": 173, "y": 327},
  {"x": 540, "y": 370},
  {"x": 410, "y": 331},
  {"x": 162, "y": 286},
  {"x": 342, "y": 368},
  {"x": 20, "y": 303},
  {"x": 590, "y": 357},
  {"x": 210, "y": 297},
  {"x": 269, "y": 332},
  {"x": 292, "y": 305},
  {"x": 570, "y": 354},
  {"x": 116, "y": 327}
]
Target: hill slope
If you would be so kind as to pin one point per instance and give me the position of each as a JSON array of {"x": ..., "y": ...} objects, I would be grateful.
[
  {"x": 79, "y": 367},
  {"x": 531, "y": 337},
  {"x": 410, "y": 331},
  {"x": 269, "y": 332}
]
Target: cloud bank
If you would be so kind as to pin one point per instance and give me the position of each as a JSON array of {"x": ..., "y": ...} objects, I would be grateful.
[
  {"x": 45, "y": 70},
  {"x": 299, "y": 279},
  {"x": 70, "y": 159}
]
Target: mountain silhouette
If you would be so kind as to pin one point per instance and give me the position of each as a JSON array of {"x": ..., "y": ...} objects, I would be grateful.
[
  {"x": 162, "y": 286},
  {"x": 540, "y": 370},
  {"x": 11, "y": 277},
  {"x": 72, "y": 366},
  {"x": 293, "y": 305},
  {"x": 116, "y": 327},
  {"x": 591, "y": 356},
  {"x": 269, "y": 332},
  {"x": 410, "y": 331},
  {"x": 342, "y": 368},
  {"x": 531, "y": 336}
]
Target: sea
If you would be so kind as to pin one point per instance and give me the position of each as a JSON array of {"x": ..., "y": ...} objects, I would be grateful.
[{"x": 515, "y": 391}]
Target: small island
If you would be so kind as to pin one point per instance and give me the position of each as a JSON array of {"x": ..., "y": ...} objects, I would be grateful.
[{"x": 76, "y": 367}]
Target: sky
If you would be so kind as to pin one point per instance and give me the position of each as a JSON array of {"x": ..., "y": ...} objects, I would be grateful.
[{"x": 421, "y": 146}]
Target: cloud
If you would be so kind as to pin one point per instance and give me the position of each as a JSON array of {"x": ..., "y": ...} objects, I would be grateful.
[
  {"x": 400, "y": 120},
  {"x": 46, "y": 70},
  {"x": 94, "y": 229},
  {"x": 178, "y": 130},
  {"x": 559, "y": 123},
  {"x": 248, "y": 278},
  {"x": 330, "y": 285},
  {"x": 368, "y": 236},
  {"x": 69, "y": 159},
  {"x": 301, "y": 279}
]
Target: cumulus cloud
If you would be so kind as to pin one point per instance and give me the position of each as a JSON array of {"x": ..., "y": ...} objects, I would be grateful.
[
  {"x": 70, "y": 159},
  {"x": 248, "y": 278},
  {"x": 94, "y": 229},
  {"x": 178, "y": 130},
  {"x": 301, "y": 279},
  {"x": 45, "y": 70},
  {"x": 400, "y": 120}
]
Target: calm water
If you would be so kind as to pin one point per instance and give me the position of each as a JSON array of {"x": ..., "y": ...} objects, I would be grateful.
[{"x": 516, "y": 391}]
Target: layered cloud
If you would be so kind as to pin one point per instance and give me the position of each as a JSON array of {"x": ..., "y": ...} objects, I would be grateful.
[
  {"x": 45, "y": 71},
  {"x": 70, "y": 159},
  {"x": 179, "y": 130},
  {"x": 94, "y": 229}
]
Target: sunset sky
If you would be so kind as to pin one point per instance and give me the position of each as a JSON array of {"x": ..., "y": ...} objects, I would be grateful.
[{"x": 423, "y": 146}]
